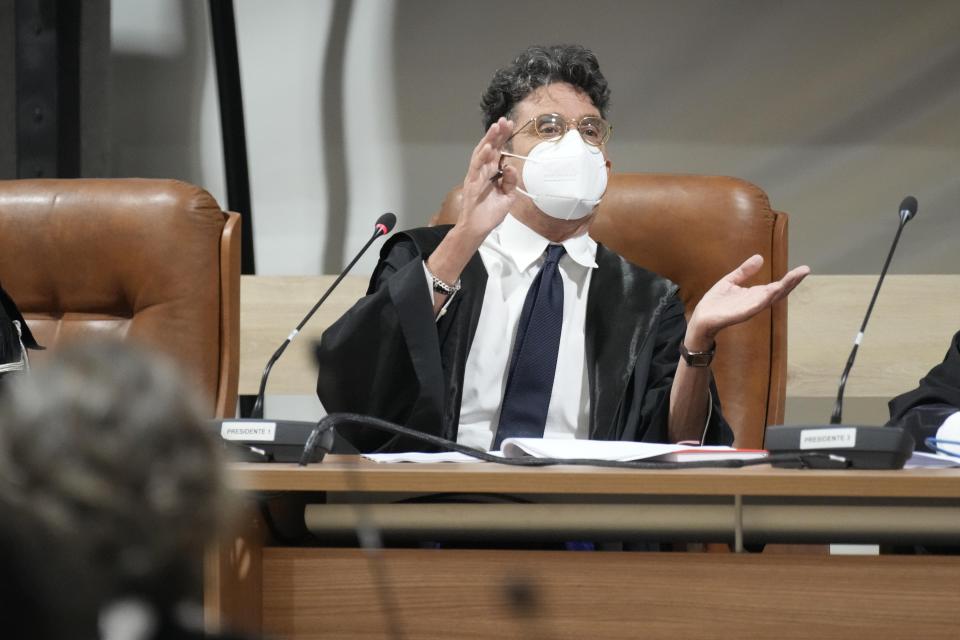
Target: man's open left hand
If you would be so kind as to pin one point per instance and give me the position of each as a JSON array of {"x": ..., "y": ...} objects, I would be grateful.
[{"x": 729, "y": 301}]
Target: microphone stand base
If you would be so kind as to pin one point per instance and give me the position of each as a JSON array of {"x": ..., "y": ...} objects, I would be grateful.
[{"x": 849, "y": 446}]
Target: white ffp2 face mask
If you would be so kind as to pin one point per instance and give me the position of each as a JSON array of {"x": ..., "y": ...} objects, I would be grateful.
[{"x": 565, "y": 178}]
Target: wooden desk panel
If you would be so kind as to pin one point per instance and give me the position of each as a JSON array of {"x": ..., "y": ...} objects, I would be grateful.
[
  {"x": 329, "y": 593},
  {"x": 270, "y": 307},
  {"x": 910, "y": 330},
  {"x": 347, "y": 473}
]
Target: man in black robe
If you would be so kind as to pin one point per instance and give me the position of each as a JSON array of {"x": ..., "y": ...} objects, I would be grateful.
[{"x": 441, "y": 308}]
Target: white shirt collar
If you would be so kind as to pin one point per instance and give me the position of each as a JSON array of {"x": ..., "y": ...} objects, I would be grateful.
[{"x": 525, "y": 246}]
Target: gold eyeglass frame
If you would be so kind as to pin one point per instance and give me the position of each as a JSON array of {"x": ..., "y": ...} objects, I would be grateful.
[{"x": 566, "y": 125}]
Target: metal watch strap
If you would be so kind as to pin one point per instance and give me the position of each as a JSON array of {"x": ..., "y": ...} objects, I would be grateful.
[{"x": 697, "y": 358}]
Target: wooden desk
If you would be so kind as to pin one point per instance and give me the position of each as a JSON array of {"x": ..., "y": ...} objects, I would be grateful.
[{"x": 317, "y": 592}]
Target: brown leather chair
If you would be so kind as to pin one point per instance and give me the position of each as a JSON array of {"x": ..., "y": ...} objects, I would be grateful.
[
  {"x": 156, "y": 261},
  {"x": 694, "y": 230}
]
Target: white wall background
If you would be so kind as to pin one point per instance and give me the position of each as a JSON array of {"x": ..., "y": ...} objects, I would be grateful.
[
  {"x": 837, "y": 108},
  {"x": 310, "y": 144}
]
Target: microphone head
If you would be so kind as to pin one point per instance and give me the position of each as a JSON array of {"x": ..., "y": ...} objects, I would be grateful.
[
  {"x": 908, "y": 209},
  {"x": 385, "y": 223}
]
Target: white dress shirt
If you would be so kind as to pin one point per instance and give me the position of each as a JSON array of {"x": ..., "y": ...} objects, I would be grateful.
[{"x": 512, "y": 255}]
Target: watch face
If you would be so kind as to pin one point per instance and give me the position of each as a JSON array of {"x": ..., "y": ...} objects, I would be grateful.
[
  {"x": 699, "y": 359},
  {"x": 696, "y": 358}
]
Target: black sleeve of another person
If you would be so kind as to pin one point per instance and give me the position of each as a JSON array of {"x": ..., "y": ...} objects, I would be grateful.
[
  {"x": 941, "y": 386},
  {"x": 922, "y": 410}
]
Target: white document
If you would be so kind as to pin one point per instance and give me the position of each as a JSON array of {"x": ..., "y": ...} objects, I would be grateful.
[
  {"x": 414, "y": 456},
  {"x": 565, "y": 449},
  {"x": 620, "y": 451}
]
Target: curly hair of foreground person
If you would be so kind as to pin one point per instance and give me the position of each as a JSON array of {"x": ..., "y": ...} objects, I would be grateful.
[{"x": 104, "y": 446}]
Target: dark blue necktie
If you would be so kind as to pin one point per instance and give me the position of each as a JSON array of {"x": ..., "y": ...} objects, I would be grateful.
[{"x": 533, "y": 364}]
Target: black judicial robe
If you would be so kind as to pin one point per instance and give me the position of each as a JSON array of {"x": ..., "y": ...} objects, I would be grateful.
[
  {"x": 941, "y": 386},
  {"x": 388, "y": 356}
]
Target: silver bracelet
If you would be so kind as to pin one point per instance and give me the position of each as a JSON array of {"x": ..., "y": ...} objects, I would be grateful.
[{"x": 439, "y": 285}]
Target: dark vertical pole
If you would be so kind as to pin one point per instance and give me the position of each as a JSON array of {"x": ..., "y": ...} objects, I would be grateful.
[
  {"x": 224, "y": 27},
  {"x": 68, "y": 87},
  {"x": 333, "y": 124},
  {"x": 48, "y": 88},
  {"x": 234, "y": 136}
]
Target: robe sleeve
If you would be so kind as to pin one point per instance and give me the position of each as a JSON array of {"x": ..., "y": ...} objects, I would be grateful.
[
  {"x": 382, "y": 357},
  {"x": 941, "y": 386},
  {"x": 653, "y": 378}
]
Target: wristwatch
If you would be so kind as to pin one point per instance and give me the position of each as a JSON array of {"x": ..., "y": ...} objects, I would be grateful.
[{"x": 697, "y": 358}]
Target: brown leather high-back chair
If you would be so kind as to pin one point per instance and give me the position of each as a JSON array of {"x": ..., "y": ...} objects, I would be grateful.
[
  {"x": 155, "y": 261},
  {"x": 695, "y": 230}
]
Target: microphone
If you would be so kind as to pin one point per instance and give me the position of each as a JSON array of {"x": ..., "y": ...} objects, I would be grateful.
[
  {"x": 282, "y": 440},
  {"x": 908, "y": 209},
  {"x": 381, "y": 227},
  {"x": 854, "y": 446}
]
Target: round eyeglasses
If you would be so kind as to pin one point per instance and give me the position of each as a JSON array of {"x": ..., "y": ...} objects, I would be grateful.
[{"x": 552, "y": 126}]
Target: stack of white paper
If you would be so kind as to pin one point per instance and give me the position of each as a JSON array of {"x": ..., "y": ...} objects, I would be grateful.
[{"x": 566, "y": 449}]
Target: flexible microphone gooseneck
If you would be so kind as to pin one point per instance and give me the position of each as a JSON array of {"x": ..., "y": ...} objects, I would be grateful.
[
  {"x": 908, "y": 209},
  {"x": 382, "y": 227}
]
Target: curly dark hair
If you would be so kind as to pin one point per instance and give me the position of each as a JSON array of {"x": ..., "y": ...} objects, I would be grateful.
[{"x": 537, "y": 66}]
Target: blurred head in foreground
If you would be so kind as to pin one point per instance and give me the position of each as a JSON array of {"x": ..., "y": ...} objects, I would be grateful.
[{"x": 104, "y": 454}]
